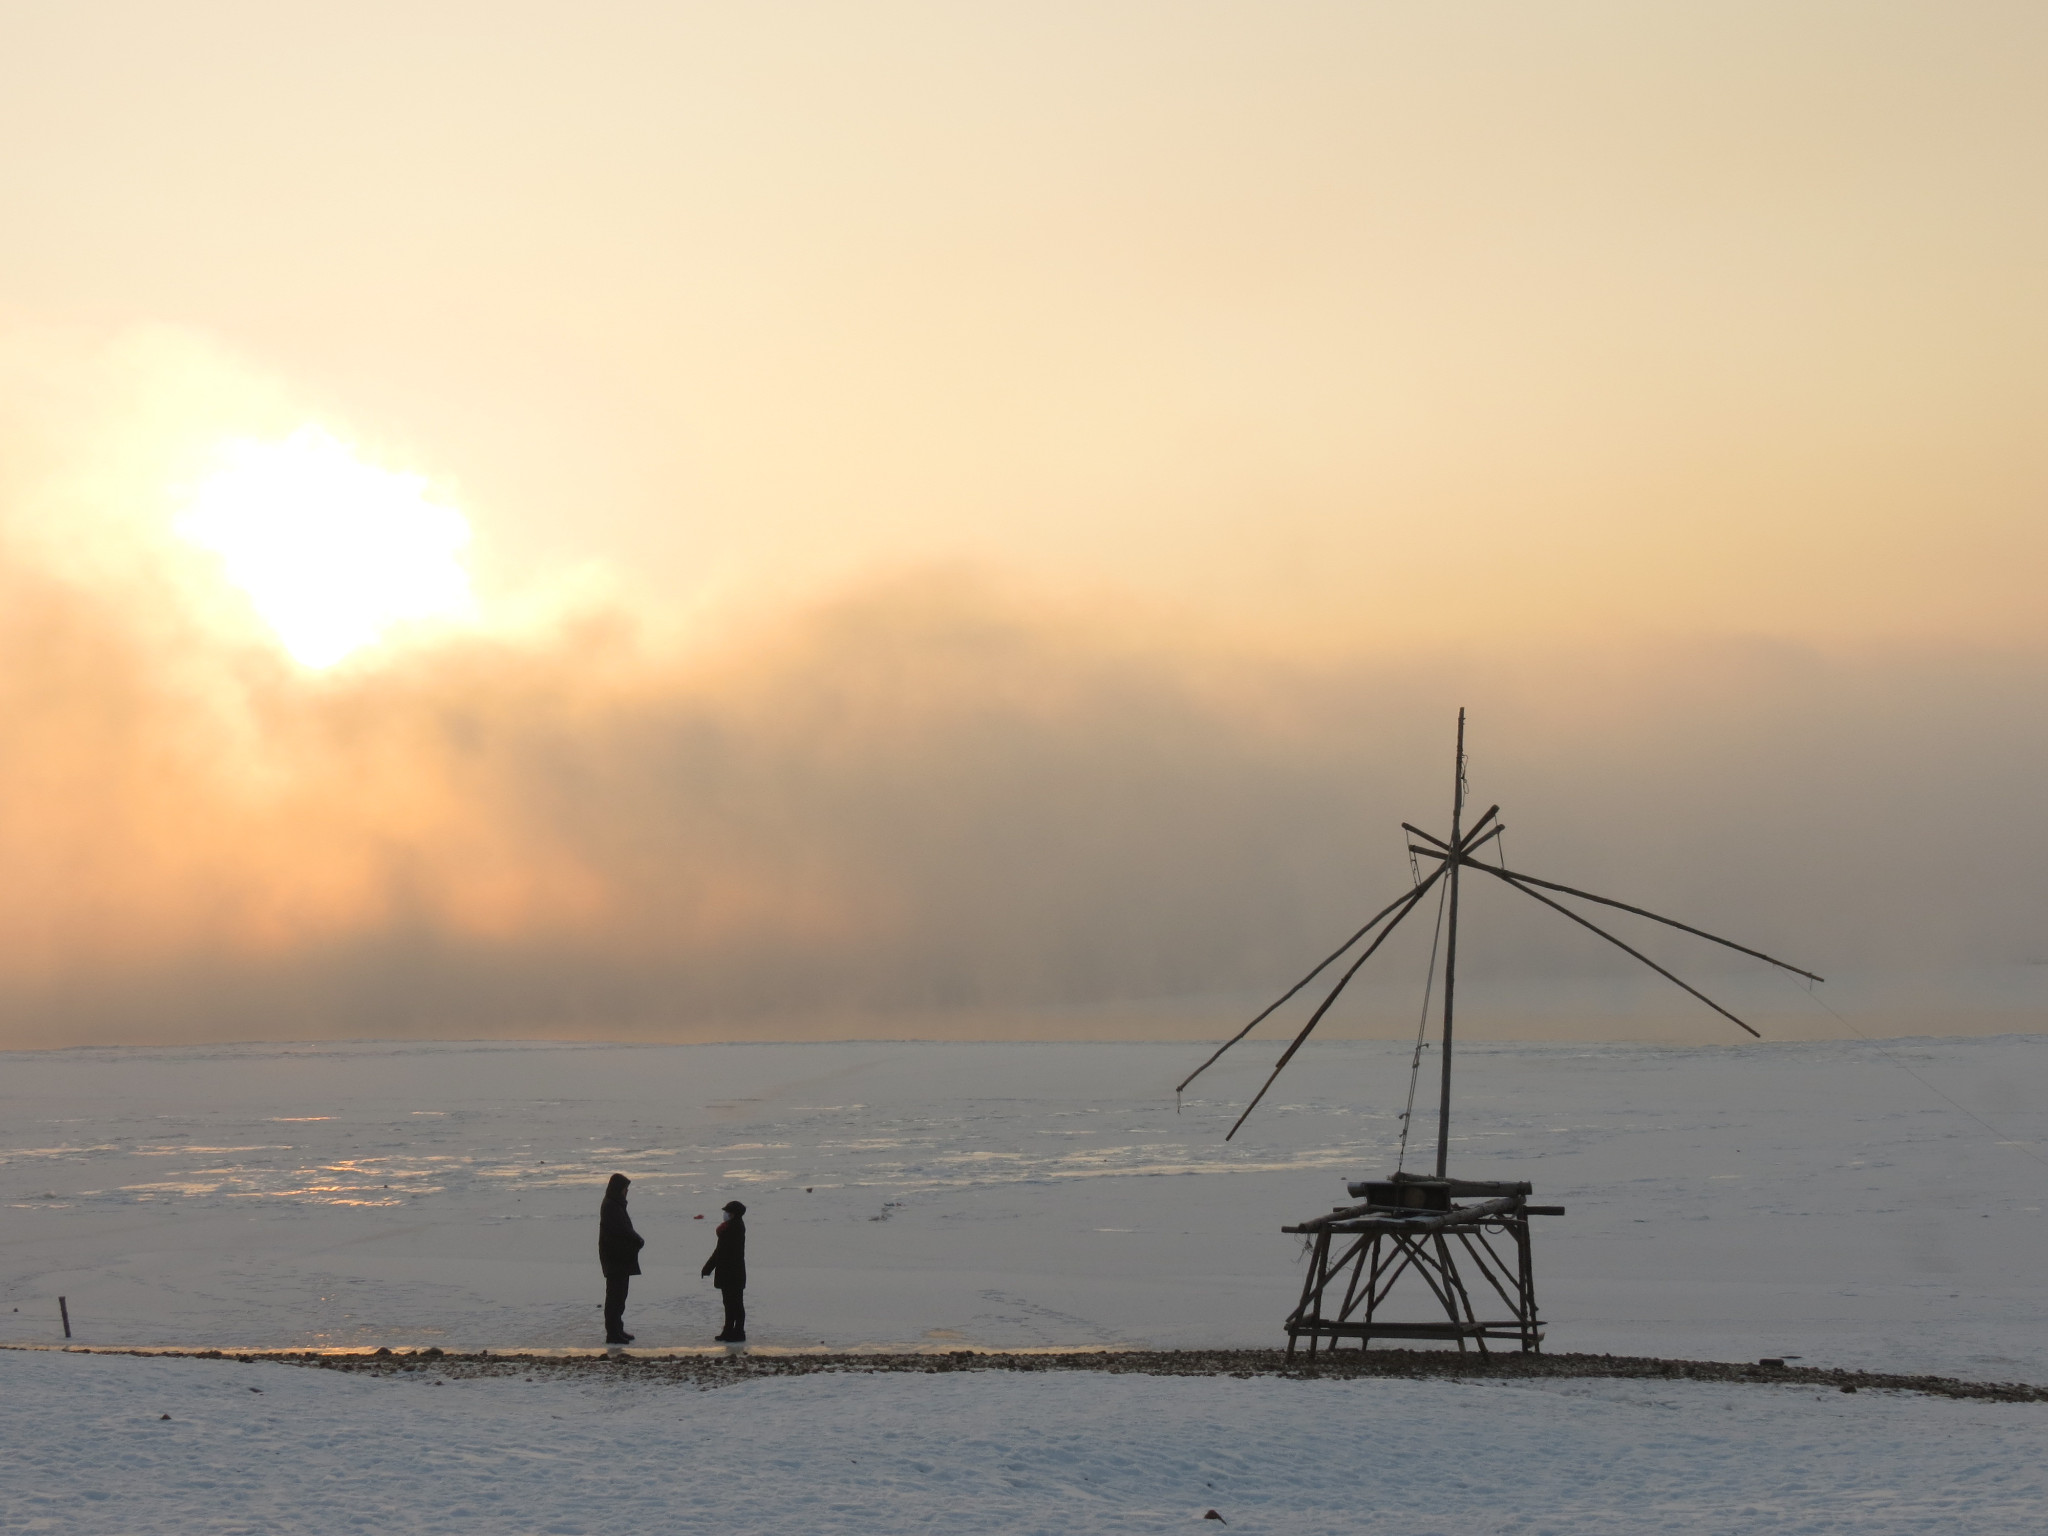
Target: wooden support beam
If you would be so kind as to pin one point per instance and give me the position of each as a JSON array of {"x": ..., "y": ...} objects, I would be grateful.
[
  {"x": 1460, "y": 1189},
  {"x": 1407, "y": 905},
  {"x": 1472, "y": 838},
  {"x": 1367, "y": 1218},
  {"x": 1504, "y": 876},
  {"x": 1503, "y": 1328},
  {"x": 1669, "y": 922},
  {"x": 1290, "y": 992},
  {"x": 1471, "y": 844}
]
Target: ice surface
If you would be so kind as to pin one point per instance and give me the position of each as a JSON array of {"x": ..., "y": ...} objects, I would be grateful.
[
  {"x": 84, "y": 1450},
  {"x": 1809, "y": 1200}
]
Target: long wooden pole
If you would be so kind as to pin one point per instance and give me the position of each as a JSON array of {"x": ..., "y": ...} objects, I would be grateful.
[
  {"x": 1610, "y": 938},
  {"x": 1311, "y": 976},
  {"x": 1408, "y": 905},
  {"x": 1443, "y": 1119},
  {"x": 1669, "y": 922},
  {"x": 1473, "y": 840}
]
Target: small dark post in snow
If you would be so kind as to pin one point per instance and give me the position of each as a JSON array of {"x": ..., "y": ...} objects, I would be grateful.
[
  {"x": 64, "y": 1311},
  {"x": 1408, "y": 1221}
]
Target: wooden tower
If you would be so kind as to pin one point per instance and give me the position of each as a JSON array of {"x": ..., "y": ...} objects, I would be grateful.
[{"x": 1412, "y": 1224}]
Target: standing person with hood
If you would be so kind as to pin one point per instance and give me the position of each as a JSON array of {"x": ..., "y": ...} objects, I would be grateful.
[
  {"x": 727, "y": 1268},
  {"x": 618, "y": 1254}
]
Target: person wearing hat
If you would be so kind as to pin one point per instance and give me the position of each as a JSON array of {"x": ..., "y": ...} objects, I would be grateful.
[
  {"x": 727, "y": 1268},
  {"x": 618, "y": 1254}
]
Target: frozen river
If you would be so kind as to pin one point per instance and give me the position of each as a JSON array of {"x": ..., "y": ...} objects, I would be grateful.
[{"x": 1808, "y": 1200}]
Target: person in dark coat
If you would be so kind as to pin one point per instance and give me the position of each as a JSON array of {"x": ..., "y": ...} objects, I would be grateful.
[
  {"x": 618, "y": 1253},
  {"x": 727, "y": 1268}
]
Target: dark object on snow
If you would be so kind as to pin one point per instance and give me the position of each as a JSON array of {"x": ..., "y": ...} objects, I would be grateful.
[
  {"x": 618, "y": 1254},
  {"x": 1212, "y": 1515},
  {"x": 64, "y": 1309},
  {"x": 727, "y": 1268}
]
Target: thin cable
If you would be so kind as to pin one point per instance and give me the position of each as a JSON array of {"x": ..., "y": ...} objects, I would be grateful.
[
  {"x": 1421, "y": 1028},
  {"x": 1998, "y": 1137}
]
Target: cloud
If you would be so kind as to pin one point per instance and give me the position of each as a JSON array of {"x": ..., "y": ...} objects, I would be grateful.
[
  {"x": 938, "y": 804},
  {"x": 941, "y": 800}
]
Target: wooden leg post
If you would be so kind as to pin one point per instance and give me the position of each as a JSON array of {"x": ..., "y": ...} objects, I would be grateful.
[{"x": 1532, "y": 1338}]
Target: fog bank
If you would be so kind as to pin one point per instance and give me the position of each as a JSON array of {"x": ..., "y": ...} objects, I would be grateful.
[{"x": 943, "y": 805}]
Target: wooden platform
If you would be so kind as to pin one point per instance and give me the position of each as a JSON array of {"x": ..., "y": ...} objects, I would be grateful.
[{"x": 1409, "y": 1225}]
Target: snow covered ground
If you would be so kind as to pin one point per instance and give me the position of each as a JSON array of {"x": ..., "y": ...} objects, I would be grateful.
[
  {"x": 84, "y": 1450},
  {"x": 1807, "y": 1200}
]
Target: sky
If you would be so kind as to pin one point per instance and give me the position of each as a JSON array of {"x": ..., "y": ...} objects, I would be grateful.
[{"x": 672, "y": 521}]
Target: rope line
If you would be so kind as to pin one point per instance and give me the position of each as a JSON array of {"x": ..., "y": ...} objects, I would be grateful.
[
  {"x": 1421, "y": 1028},
  {"x": 1998, "y": 1137}
]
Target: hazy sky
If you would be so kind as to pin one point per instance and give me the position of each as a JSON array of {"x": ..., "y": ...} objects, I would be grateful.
[{"x": 970, "y": 511}]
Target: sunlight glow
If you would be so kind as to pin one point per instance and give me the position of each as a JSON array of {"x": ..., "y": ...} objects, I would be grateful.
[{"x": 332, "y": 552}]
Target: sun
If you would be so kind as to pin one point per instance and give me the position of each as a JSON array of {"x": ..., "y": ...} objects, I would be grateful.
[{"x": 332, "y": 552}]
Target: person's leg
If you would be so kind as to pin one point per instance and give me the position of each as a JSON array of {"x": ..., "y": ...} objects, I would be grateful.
[
  {"x": 735, "y": 1311},
  {"x": 615, "y": 1287}
]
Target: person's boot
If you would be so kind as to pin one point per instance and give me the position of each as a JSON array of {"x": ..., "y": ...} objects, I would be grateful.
[{"x": 618, "y": 1338}]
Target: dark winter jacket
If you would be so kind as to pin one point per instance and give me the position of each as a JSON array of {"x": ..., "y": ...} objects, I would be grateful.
[
  {"x": 618, "y": 1245},
  {"x": 727, "y": 1265}
]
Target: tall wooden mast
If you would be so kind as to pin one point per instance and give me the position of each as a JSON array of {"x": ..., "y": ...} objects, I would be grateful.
[
  {"x": 1452, "y": 857},
  {"x": 1443, "y": 1118}
]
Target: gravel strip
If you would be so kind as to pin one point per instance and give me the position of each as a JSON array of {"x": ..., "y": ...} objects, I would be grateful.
[{"x": 708, "y": 1371}]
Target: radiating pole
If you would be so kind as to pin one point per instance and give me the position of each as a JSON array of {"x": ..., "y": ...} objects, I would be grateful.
[
  {"x": 1311, "y": 976},
  {"x": 1408, "y": 905},
  {"x": 1443, "y": 1119},
  {"x": 1610, "y": 938}
]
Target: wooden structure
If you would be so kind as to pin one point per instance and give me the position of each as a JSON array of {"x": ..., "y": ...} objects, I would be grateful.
[
  {"x": 1411, "y": 1224},
  {"x": 1408, "y": 1225}
]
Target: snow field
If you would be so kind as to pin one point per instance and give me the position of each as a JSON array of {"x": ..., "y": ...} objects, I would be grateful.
[
  {"x": 84, "y": 1451},
  {"x": 1804, "y": 1201}
]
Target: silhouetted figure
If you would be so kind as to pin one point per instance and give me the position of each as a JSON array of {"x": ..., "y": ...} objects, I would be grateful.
[
  {"x": 727, "y": 1268},
  {"x": 618, "y": 1253}
]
